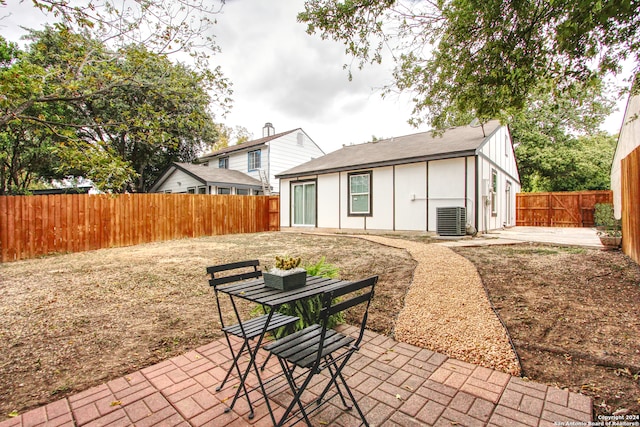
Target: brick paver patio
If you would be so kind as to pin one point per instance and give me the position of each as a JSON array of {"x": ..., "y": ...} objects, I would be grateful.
[{"x": 396, "y": 384}]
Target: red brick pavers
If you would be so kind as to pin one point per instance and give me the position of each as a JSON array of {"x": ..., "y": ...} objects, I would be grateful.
[{"x": 396, "y": 384}]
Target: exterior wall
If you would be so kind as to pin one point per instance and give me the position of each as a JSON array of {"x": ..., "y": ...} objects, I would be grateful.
[
  {"x": 411, "y": 197},
  {"x": 286, "y": 152},
  {"x": 278, "y": 155},
  {"x": 405, "y": 197},
  {"x": 327, "y": 206},
  {"x": 628, "y": 140},
  {"x": 179, "y": 182},
  {"x": 497, "y": 154},
  {"x": 446, "y": 186},
  {"x": 285, "y": 202}
]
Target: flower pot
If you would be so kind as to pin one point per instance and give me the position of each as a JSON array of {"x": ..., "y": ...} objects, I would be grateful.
[
  {"x": 611, "y": 242},
  {"x": 285, "y": 279}
]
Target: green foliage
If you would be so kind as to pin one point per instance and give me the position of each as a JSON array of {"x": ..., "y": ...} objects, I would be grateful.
[
  {"x": 557, "y": 141},
  {"x": 481, "y": 57},
  {"x": 73, "y": 106},
  {"x": 322, "y": 269},
  {"x": 308, "y": 310},
  {"x": 604, "y": 218}
]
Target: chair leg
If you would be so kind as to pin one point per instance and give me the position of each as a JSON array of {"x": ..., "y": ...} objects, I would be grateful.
[
  {"x": 235, "y": 357},
  {"x": 297, "y": 393},
  {"x": 353, "y": 399},
  {"x": 333, "y": 377}
]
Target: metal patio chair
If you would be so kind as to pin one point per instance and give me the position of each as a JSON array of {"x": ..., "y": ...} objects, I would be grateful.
[
  {"x": 247, "y": 330},
  {"x": 318, "y": 347}
]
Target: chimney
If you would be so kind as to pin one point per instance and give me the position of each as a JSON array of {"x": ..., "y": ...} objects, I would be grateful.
[{"x": 268, "y": 130}]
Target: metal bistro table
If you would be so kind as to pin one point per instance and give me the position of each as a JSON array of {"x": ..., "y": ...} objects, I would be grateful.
[{"x": 256, "y": 291}]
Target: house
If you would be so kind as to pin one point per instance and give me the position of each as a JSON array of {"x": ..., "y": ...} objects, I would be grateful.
[
  {"x": 399, "y": 183},
  {"x": 628, "y": 141},
  {"x": 266, "y": 157},
  {"x": 199, "y": 179}
]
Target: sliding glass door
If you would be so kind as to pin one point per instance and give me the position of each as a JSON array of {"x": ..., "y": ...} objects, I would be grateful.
[{"x": 304, "y": 204}]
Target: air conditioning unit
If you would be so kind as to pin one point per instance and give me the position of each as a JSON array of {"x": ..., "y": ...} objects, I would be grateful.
[{"x": 451, "y": 221}]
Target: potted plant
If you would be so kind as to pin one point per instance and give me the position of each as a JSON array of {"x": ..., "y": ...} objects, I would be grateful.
[
  {"x": 608, "y": 226},
  {"x": 287, "y": 274}
]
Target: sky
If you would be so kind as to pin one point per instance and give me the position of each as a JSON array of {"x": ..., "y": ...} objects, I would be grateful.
[{"x": 284, "y": 76}]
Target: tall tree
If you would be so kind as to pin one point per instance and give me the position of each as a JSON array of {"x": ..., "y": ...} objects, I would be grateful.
[
  {"x": 483, "y": 57},
  {"x": 117, "y": 117},
  {"x": 559, "y": 146}
]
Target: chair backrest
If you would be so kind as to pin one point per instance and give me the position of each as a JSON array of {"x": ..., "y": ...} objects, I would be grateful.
[
  {"x": 214, "y": 270},
  {"x": 331, "y": 306}
]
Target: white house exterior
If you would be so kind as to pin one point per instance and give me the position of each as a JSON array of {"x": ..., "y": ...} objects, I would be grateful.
[
  {"x": 269, "y": 155},
  {"x": 198, "y": 179},
  {"x": 628, "y": 140},
  {"x": 398, "y": 183}
]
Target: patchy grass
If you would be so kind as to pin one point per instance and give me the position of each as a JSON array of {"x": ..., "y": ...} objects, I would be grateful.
[{"x": 72, "y": 321}]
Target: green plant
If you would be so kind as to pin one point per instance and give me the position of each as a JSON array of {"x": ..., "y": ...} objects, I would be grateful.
[
  {"x": 606, "y": 221},
  {"x": 308, "y": 310}
]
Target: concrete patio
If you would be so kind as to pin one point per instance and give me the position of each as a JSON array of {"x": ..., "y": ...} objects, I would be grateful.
[{"x": 396, "y": 384}]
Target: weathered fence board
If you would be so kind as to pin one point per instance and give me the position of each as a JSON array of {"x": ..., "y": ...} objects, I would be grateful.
[
  {"x": 559, "y": 209},
  {"x": 32, "y": 226},
  {"x": 630, "y": 180}
]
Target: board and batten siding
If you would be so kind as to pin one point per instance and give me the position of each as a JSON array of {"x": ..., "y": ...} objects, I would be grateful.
[
  {"x": 497, "y": 154},
  {"x": 411, "y": 196},
  {"x": 406, "y": 196}
]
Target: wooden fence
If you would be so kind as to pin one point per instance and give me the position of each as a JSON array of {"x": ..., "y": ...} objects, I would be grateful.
[
  {"x": 32, "y": 226},
  {"x": 630, "y": 180},
  {"x": 562, "y": 209}
]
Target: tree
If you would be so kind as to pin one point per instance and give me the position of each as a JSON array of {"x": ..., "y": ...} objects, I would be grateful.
[
  {"x": 481, "y": 57},
  {"x": 112, "y": 116},
  {"x": 558, "y": 144}
]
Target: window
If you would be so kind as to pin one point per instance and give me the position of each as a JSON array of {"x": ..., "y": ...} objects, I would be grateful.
[
  {"x": 242, "y": 191},
  {"x": 223, "y": 163},
  {"x": 191, "y": 190},
  {"x": 202, "y": 190},
  {"x": 360, "y": 193},
  {"x": 494, "y": 192},
  {"x": 224, "y": 190},
  {"x": 254, "y": 160}
]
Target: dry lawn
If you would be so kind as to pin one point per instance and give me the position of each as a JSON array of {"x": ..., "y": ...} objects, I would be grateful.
[{"x": 72, "y": 321}]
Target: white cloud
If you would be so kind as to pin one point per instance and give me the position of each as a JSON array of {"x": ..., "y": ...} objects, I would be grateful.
[{"x": 280, "y": 74}]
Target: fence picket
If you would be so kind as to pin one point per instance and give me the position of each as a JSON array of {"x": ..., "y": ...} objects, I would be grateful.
[
  {"x": 38, "y": 225},
  {"x": 559, "y": 209}
]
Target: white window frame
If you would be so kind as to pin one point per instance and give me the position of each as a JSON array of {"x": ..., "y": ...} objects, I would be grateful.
[
  {"x": 494, "y": 192},
  {"x": 351, "y": 194},
  {"x": 254, "y": 160},
  {"x": 223, "y": 162}
]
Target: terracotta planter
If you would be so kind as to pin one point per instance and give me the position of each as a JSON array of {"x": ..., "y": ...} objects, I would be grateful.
[{"x": 286, "y": 281}]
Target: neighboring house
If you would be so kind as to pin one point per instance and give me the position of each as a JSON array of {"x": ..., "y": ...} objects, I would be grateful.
[
  {"x": 397, "y": 183},
  {"x": 628, "y": 140},
  {"x": 199, "y": 179},
  {"x": 266, "y": 157}
]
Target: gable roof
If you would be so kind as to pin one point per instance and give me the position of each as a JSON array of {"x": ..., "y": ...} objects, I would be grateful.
[
  {"x": 245, "y": 145},
  {"x": 456, "y": 142},
  {"x": 210, "y": 176}
]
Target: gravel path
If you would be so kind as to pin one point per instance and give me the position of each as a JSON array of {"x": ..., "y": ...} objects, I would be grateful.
[{"x": 446, "y": 309}]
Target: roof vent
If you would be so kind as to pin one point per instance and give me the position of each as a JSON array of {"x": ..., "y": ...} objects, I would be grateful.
[{"x": 268, "y": 130}]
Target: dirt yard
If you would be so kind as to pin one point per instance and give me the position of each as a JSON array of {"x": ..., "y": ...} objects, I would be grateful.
[
  {"x": 574, "y": 317},
  {"x": 72, "y": 321}
]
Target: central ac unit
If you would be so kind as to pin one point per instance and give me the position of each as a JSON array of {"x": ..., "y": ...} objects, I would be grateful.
[{"x": 451, "y": 221}]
